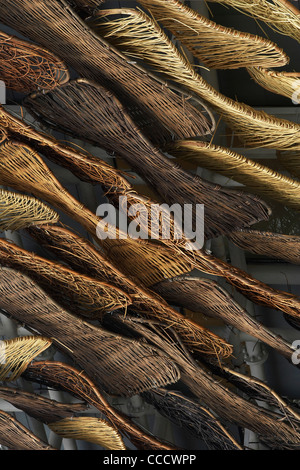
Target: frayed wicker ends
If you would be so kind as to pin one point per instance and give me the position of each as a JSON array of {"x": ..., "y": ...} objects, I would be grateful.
[
  {"x": 282, "y": 83},
  {"x": 126, "y": 370},
  {"x": 101, "y": 119},
  {"x": 161, "y": 112},
  {"x": 18, "y": 211},
  {"x": 26, "y": 67},
  {"x": 62, "y": 376},
  {"x": 269, "y": 244},
  {"x": 255, "y": 128},
  {"x": 280, "y": 15},
  {"x": 90, "y": 429},
  {"x": 15, "y": 436},
  {"x": 256, "y": 177},
  {"x": 83, "y": 257},
  {"x": 17, "y": 353},
  {"x": 216, "y": 46}
]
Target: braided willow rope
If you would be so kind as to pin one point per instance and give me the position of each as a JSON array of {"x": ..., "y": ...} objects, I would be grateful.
[
  {"x": 220, "y": 399},
  {"x": 282, "y": 83},
  {"x": 85, "y": 109},
  {"x": 25, "y": 67},
  {"x": 82, "y": 295},
  {"x": 256, "y": 177},
  {"x": 255, "y": 128},
  {"x": 161, "y": 112},
  {"x": 61, "y": 376},
  {"x": 17, "y": 353},
  {"x": 89, "y": 429},
  {"x": 15, "y": 436},
  {"x": 272, "y": 245},
  {"x": 39, "y": 407},
  {"x": 209, "y": 298},
  {"x": 118, "y": 365},
  {"x": 19, "y": 211},
  {"x": 83, "y": 257},
  {"x": 215, "y": 46},
  {"x": 23, "y": 169},
  {"x": 195, "y": 419},
  {"x": 280, "y": 15}
]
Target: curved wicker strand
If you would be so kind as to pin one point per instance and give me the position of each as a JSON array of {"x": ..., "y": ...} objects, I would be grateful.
[
  {"x": 26, "y": 67},
  {"x": 62, "y": 376},
  {"x": 215, "y": 45},
  {"x": 280, "y": 15},
  {"x": 17, "y": 353},
  {"x": 256, "y": 177},
  {"x": 255, "y": 128}
]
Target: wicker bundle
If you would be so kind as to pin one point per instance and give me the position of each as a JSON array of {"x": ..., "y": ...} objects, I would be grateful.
[
  {"x": 209, "y": 298},
  {"x": 83, "y": 257},
  {"x": 61, "y": 376},
  {"x": 53, "y": 24},
  {"x": 280, "y": 15},
  {"x": 89, "y": 429},
  {"x": 80, "y": 294},
  {"x": 255, "y": 128},
  {"x": 26, "y": 67},
  {"x": 18, "y": 211},
  {"x": 215, "y": 46},
  {"x": 39, "y": 407},
  {"x": 116, "y": 364},
  {"x": 24, "y": 169},
  {"x": 86, "y": 109},
  {"x": 193, "y": 418},
  {"x": 282, "y": 83},
  {"x": 15, "y": 436},
  {"x": 17, "y": 353},
  {"x": 271, "y": 427},
  {"x": 272, "y": 245},
  {"x": 256, "y": 177}
]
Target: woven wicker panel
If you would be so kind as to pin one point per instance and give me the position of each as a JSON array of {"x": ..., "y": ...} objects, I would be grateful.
[
  {"x": 18, "y": 211},
  {"x": 89, "y": 429},
  {"x": 281, "y": 83},
  {"x": 80, "y": 294},
  {"x": 61, "y": 376},
  {"x": 209, "y": 298},
  {"x": 15, "y": 436},
  {"x": 39, "y": 407},
  {"x": 213, "y": 44},
  {"x": 26, "y": 67},
  {"x": 269, "y": 244},
  {"x": 24, "y": 169},
  {"x": 116, "y": 364},
  {"x": 83, "y": 257},
  {"x": 256, "y": 177},
  {"x": 280, "y": 15},
  {"x": 220, "y": 399},
  {"x": 101, "y": 119},
  {"x": 255, "y": 128},
  {"x": 193, "y": 418},
  {"x": 54, "y": 25},
  {"x": 17, "y": 353}
]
